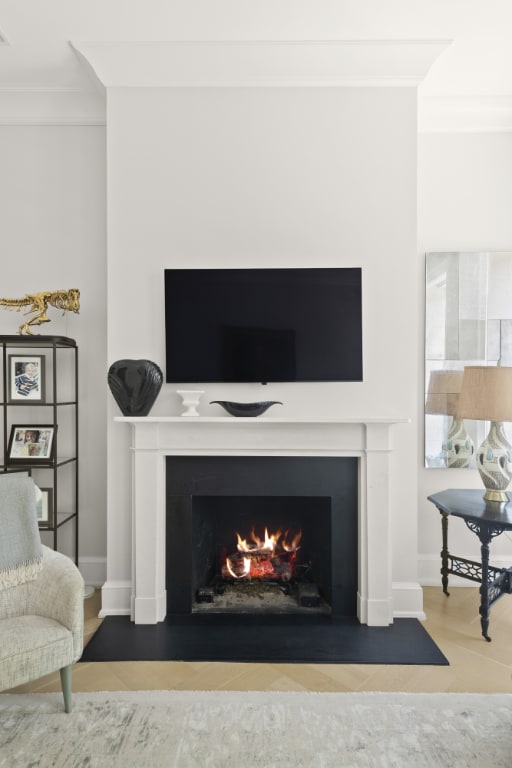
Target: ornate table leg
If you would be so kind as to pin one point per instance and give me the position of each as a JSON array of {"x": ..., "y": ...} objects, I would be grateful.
[
  {"x": 444, "y": 553},
  {"x": 486, "y": 533},
  {"x": 485, "y": 539}
]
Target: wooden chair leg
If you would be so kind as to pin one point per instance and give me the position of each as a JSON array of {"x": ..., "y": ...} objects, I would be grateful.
[{"x": 65, "y": 681}]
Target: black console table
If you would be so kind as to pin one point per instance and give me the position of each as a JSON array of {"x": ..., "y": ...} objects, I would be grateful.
[{"x": 487, "y": 519}]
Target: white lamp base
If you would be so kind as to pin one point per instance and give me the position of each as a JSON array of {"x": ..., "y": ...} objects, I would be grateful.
[{"x": 494, "y": 462}]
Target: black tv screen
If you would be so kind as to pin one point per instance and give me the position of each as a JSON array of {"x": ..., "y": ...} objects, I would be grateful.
[{"x": 263, "y": 325}]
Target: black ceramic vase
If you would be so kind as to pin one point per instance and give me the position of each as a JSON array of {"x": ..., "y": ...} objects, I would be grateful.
[{"x": 135, "y": 385}]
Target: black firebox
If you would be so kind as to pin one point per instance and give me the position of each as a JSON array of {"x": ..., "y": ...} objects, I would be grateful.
[{"x": 261, "y": 534}]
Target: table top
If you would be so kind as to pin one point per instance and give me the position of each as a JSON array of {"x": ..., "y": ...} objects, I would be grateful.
[{"x": 471, "y": 505}]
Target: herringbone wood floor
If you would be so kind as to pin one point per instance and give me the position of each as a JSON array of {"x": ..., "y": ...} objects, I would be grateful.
[{"x": 453, "y": 623}]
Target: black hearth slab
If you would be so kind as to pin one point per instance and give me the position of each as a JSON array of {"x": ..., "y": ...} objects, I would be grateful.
[{"x": 262, "y": 639}]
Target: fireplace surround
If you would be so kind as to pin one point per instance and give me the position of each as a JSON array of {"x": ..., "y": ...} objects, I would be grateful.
[
  {"x": 153, "y": 438},
  {"x": 211, "y": 499}
]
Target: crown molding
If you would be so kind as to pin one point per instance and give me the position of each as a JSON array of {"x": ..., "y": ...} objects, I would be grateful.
[
  {"x": 39, "y": 89},
  {"x": 327, "y": 63},
  {"x": 56, "y": 120},
  {"x": 465, "y": 114},
  {"x": 42, "y": 105},
  {"x": 347, "y": 63}
]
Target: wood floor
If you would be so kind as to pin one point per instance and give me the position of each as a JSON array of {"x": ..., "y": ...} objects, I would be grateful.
[{"x": 453, "y": 623}]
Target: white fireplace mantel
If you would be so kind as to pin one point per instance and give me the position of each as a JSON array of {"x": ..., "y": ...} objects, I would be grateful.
[{"x": 154, "y": 438}]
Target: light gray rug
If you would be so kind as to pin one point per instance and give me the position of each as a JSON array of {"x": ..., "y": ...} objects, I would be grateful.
[{"x": 188, "y": 729}]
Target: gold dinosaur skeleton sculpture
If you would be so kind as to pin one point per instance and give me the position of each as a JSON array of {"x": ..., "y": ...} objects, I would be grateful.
[{"x": 39, "y": 302}]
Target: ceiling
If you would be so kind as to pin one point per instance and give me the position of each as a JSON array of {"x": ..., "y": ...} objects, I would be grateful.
[{"x": 474, "y": 72}]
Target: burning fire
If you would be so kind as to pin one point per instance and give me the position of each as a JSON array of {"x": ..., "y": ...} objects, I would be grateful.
[
  {"x": 272, "y": 557},
  {"x": 269, "y": 543}
]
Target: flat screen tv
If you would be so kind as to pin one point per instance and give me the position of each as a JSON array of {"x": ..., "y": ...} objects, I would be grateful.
[{"x": 263, "y": 325}]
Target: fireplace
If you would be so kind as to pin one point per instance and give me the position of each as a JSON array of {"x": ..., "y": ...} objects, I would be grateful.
[
  {"x": 366, "y": 440},
  {"x": 260, "y": 534}
]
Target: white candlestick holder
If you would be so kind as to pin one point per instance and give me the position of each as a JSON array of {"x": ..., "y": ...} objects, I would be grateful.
[{"x": 190, "y": 399}]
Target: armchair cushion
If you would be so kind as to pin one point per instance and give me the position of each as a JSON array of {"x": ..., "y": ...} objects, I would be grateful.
[{"x": 32, "y": 646}]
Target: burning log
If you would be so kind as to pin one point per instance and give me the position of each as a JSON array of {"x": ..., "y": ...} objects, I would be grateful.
[
  {"x": 255, "y": 565},
  {"x": 271, "y": 558},
  {"x": 236, "y": 566},
  {"x": 283, "y": 567}
]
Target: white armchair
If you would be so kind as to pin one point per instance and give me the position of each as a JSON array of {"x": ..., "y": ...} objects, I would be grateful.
[{"x": 41, "y": 624}]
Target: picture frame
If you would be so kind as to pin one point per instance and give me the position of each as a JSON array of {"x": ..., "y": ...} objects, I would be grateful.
[
  {"x": 31, "y": 444},
  {"x": 26, "y": 378},
  {"x": 45, "y": 509}
]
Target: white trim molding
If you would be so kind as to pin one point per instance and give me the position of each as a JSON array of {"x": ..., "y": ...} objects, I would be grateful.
[
  {"x": 465, "y": 114},
  {"x": 154, "y": 438},
  {"x": 279, "y": 63},
  {"x": 407, "y": 595},
  {"x": 115, "y": 598},
  {"x": 44, "y": 105}
]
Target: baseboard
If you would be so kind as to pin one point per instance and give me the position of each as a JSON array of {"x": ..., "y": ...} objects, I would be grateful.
[
  {"x": 116, "y": 598},
  {"x": 407, "y": 600},
  {"x": 407, "y": 596},
  {"x": 375, "y": 613},
  {"x": 93, "y": 569}
]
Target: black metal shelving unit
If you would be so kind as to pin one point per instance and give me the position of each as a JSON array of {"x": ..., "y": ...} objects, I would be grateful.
[{"x": 57, "y": 407}]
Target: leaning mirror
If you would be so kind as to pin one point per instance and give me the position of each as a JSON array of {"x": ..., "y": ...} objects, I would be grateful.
[{"x": 468, "y": 321}]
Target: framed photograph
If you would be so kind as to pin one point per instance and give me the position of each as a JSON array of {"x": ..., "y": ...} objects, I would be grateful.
[
  {"x": 26, "y": 378},
  {"x": 31, "y": 444},
  {"x": 44, "y": 508}
]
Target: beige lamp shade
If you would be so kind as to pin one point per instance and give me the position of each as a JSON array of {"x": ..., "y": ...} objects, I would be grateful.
[
  {"x": 486, "y": 393},
  {"x": 443, "y": 392}
]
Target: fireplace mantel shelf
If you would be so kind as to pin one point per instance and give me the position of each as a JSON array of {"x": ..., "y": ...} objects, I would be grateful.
[
  {"x": 170, "y": 434},
  {"x": 259, "y": 420}
]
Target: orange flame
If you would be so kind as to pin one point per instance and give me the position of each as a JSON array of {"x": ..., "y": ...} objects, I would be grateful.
[
  {"x": 268, "y": 544},
  {"x": 293, "y": 546}
]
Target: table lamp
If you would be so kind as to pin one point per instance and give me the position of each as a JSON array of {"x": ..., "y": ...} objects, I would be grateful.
[
  {"x": 486, "y": 395},
  {"x": 442, "y": 399}
]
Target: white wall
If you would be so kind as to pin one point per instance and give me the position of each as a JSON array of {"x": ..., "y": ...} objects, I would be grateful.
[
  {"x": 464, "y": 195},
  {"x": 52, "y": 199},
  {"x": 252, "y": 178},
  {"x": 267, "y": 177}
]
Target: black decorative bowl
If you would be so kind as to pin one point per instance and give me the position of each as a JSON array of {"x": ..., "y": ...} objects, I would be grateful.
[{"x": 246, "y": 409}]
